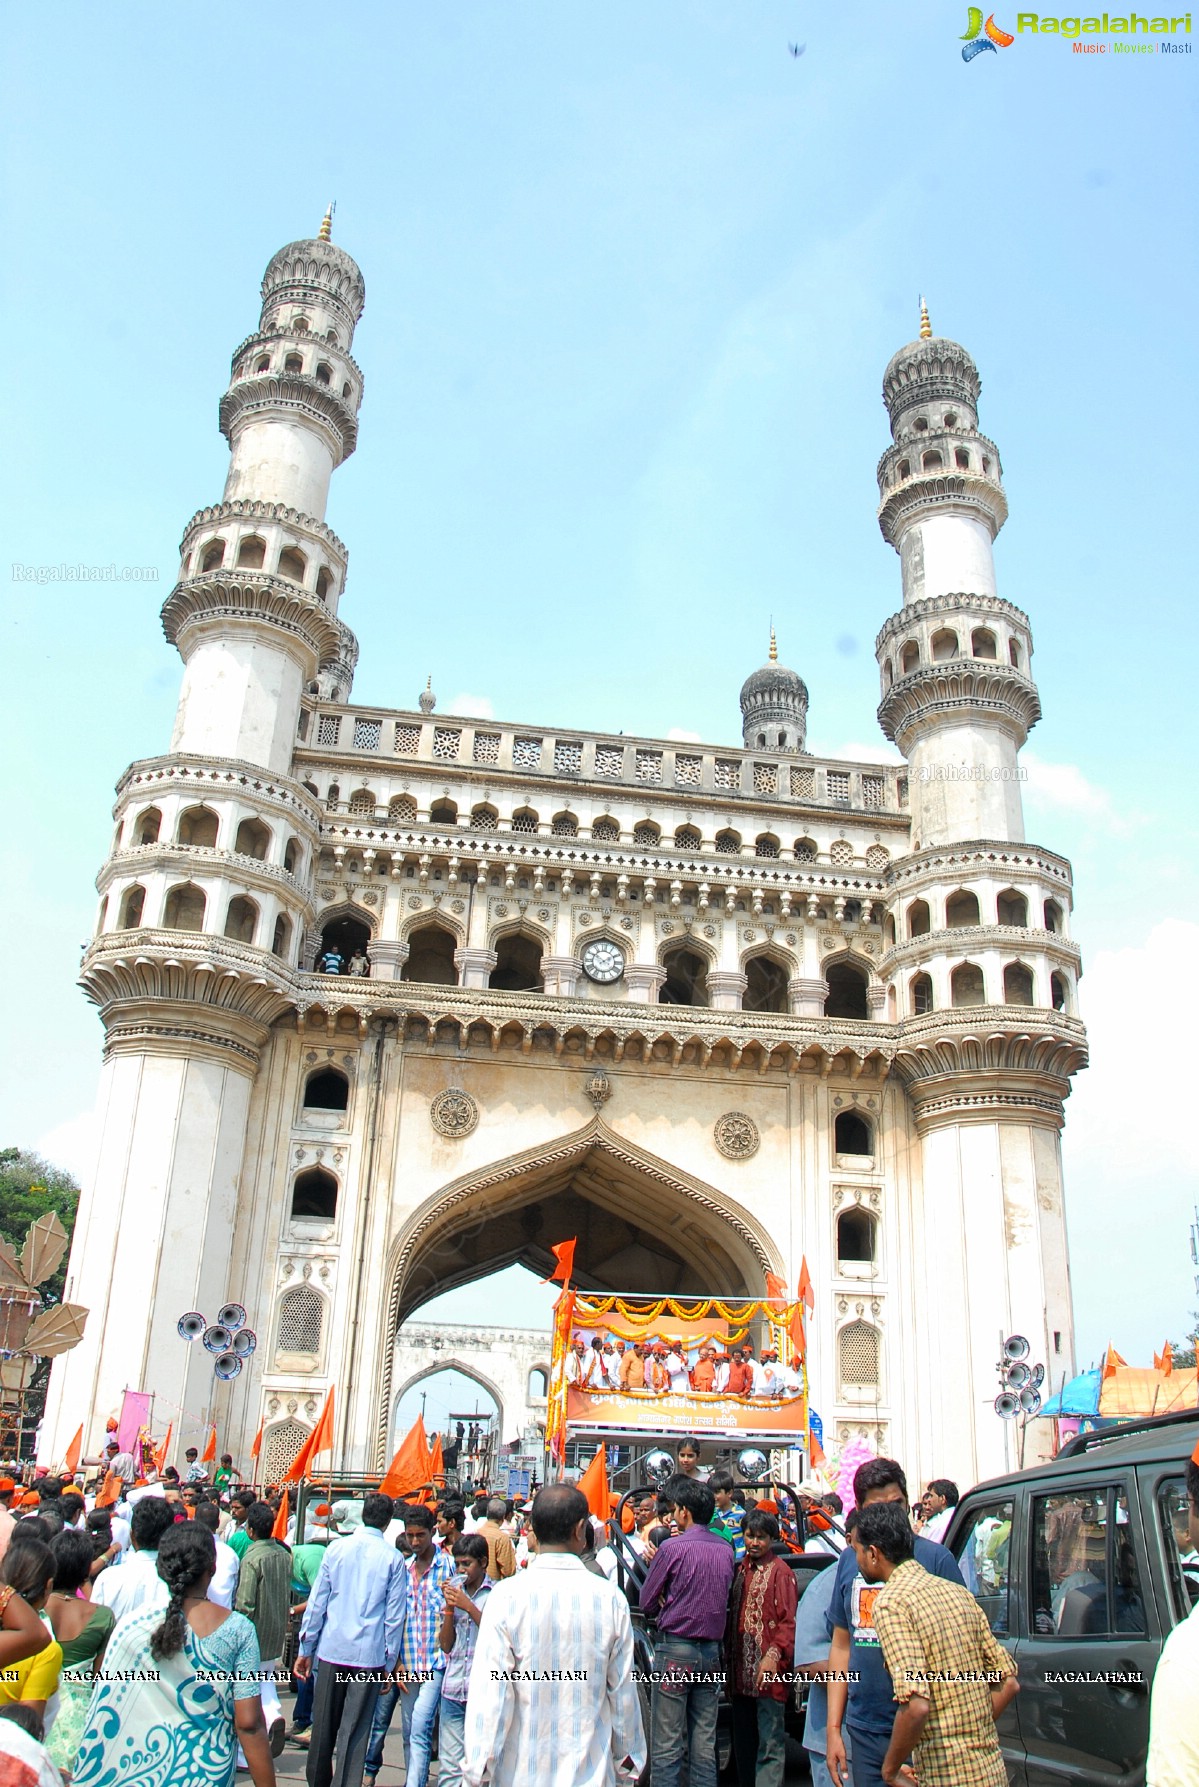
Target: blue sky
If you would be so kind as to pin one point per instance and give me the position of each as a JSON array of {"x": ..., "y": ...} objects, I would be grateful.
[{"x": 633, "y": 274}]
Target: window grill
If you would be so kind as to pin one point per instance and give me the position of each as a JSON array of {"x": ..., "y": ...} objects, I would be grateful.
[
  {"x": 484, "y": 819},
  {"x": 446, "y": 742},
  {"x": 407, "y": 741},
  {"x": 367, "y": 734},
  {"x": 688, "y": 771},
  {"x": 649, "y": 766},
  {"x": 280, "y": 1448},
  {"x": 836, "y": 783},
  {"x": 728, "y": 772},
  {"x": 565, "y": 827},
  {"x": 606, "y": 831},
  {"x": 362, "y": 801},
  {"x": 301, "y": 1319},
  {"x": 609, "y": 760},
  {"x": 766, "y": 778},
  {"x": 486, "y": 747},
  {"x": 858, "y": 1346},
  {"x": 877, "y": 857},
  {"x": 874, "y": 791},
  {"x": 803, "y": 784},
  {"x": 328, "y": 729},
  {"x": 568, "y": 758},
  {"x": 402, "y": 810},
  {"x": 842, "y": 852},
  {"x": 526, "y": 753}
]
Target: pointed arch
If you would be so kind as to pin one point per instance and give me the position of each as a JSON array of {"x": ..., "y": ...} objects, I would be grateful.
[{"x": 439, "y": 1365}]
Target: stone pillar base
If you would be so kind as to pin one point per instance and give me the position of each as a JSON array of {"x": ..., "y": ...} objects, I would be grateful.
[
  {"x": 727, "y": 989},
  {"x": 474, "y": 966},
  {"x": 807, "y": 996},
  {"x": 387, "y": 959},
  {"x": 644, "y": 980},
  {"x": 560, "y": 975}
]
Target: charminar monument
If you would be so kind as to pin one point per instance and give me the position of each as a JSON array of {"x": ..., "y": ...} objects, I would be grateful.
[{"x": 709, "y": 1008}]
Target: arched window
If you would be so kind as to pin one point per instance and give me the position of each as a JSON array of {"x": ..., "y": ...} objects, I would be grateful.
[
  {"x": 251, "y": 553},
  {"x": 443, "y": 812},
  {"x": 966, "y": 985},
  {"x": 185, "y": 908},
  {"x": 431, "y": 957},
  {"x": 944, "y": 645},
  {"x": 888, "y": 674},
  {"x": 524, "y": 820},
  {"x": 686, "y": 980},
  {"x": 401, "y": 810},
  {"x": 331, "y": 337},
  {"x": 518, "y": 964},
  {"x": 647, "y": 835},
  {"x": 1011, "y": 908},
  {"x": 264, "y": 363},
  {"x": 301, "y": 1319},
  {"x": 1017, "y": 984},
  {"x": 1059, "y": 992},
  {"x": 214, "y": 556},
  {"x": 606, "y": 831},
  {"x": 687, "y": 838},
  {"x": 766, "y": 844},
  {"x": 253, "y": 839},
  {"x": 766, "y": 985},
  {"x": 889, "y": 931},
  {"x": 910, "y": 657},
  {"x": 314, "y": 1195},
  {"x": 327, "y": 1090},
  {"x": 1053, "y": 916},
  {"x": 484, "y": 818},
  {"x": 857, "y": 1351},
  {"x": 961, "y": 459},
  {"x": 281, "y": 940},
  {"x": 961, "y": 911},
  {"x": 280, "y": 1449},
  {"x": 564, "y": 825},
  {"x": 293, "y": 565},
  {"x": 920, "y": 992},
  {"x": 132, "y": 901},
  {"x": 241, "y": 920},
  {"x": 333, "y": 796},
  {"x": 982, "y": 643},
  {"x": 292, "y": 855},
  {"x": 538, "y": 1386},
  {"x": 806, "y": 850},
  {"x": 728, "y": 843},
  {"x": 324, "y": 373},
  {"x": 919, "y": 922},
  {"x": 344, "y": 937},
  {"x": 198, "y": 827},
  {"x": 362, "y": 801},
  {"x": 856, "y": 1235},
  {"x": 148, "y": 826},
  {"x": 1013, "y": 652},
  {"x": 905, "y": 468},
  {"x": 846, "y": 996},
  {"x": 852, "y": 914},
  {"x": 852, "y": 1134},
  {"x": 324, "y": 583},
  {"x": 932, "y": 461},
  {"x": 294, "y": 363}
]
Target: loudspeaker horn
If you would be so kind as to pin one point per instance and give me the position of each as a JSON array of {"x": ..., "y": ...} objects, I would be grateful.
[
  {"x": 1015, "y": 1347},
  {"x": 1030, "y": 1402},
  {"x": 1038, "y": 1376},
  {"x": 231, "y": 1316},
  {"x": 191, "y": 1325},
  {"x": 244, "y": 1342},
  {"x": 1017, "y": 1376},
  {"x": 1007, "y": 1406},
  {"x": 217, "y": 1339},
  {"x": 226, "y": 1365}
]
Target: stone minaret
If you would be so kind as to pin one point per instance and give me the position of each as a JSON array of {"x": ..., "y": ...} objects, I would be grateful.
[
  {"x": 980, "y": 969},
  {"x": 774, "y": 707},
  {"x": 207, "y": 891}
]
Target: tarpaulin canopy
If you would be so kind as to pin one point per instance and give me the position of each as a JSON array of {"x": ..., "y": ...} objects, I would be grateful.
[{"x": 1126, "y": 1393}]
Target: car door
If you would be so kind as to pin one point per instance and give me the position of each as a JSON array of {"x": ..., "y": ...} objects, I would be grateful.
[
  {"x": 982, "y": 1543},
  {"x": 1091, "y": 1635}
]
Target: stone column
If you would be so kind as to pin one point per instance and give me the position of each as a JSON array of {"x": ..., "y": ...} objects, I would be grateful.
[
  {"x": 560, "y": 975},
  {"x": 807, "y": 996},
  {"x": 643, "y": 980},
  {"x": 726, "y": 989},
  {"x": 474, "y": 966},
  {"x": 387, "y": 958}
]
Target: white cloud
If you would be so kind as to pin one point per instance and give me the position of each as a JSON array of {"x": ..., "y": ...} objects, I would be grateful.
[
  {"x": 471, "y": 707},
  {"x": 71, "y": 1145},
  {"x": 681, "y": 736},
  {"x": 874, "y": 752},
  {"x": 1063, "y": 786}
]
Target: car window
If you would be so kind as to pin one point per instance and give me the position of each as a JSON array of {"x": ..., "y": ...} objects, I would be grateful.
[
  {"x": 1182, "y": 1559},
  {"x": 981, "y": 1549},
  {"x": 1085, "y": 1579}
]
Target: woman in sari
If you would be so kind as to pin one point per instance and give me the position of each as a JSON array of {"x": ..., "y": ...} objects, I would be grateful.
[
  {"x": 82, "y": 1629},
  {"x": 761, "y": 1646},
  {"x": 179, "y": 1688}
]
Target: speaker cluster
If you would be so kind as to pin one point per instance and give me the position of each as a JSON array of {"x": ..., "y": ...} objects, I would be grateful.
[
  {"x": 227, "y": 1339},
  {"x": 1019, "y": 1383}
]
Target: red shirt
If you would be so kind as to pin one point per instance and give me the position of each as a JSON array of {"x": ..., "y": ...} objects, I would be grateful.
[{"x": 739, "y": 1379}]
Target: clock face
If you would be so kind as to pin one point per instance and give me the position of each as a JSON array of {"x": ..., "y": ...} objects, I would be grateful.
[{"x": 602, "y": 961}]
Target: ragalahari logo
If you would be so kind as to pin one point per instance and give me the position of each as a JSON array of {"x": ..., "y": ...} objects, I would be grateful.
[{"x": 979, "y": 37}]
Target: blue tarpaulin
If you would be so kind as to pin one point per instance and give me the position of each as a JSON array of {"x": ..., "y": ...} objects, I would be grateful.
[{"x": 1078, "y": 1397}]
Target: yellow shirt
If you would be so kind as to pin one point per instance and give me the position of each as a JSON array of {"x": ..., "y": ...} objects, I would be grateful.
[{"x": 34, "y": 1679}]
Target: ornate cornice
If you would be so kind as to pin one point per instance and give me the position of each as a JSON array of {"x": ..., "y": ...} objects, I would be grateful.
[
  {"x": 256, "y": 599},
  {"x": 978, "y": 495},
  {"x": 208, "y": 778},
  {"x": 971, "y": 939},
  {"x": 995, "y": 858},
  {"x": 271, "y": 337},
  {"x": 956, "y": 602},
  {"x": 155, "y": 969},
  {"x": 910, "y": 436},
  {"x": 194, "y": 859},
  {"x": 311, "y": 265},
  {"x": 973, "y": 1064},
  {"x": 970, "y": 686},
  {"x": 218, "y": 513},
  {"x": 297, "y": 394}
]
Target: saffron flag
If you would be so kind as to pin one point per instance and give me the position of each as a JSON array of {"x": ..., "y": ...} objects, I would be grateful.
[
  {"x": 74, "y": 1452},
  {"x": 160, "y": 1456},
  {"x": 594, "y": 1485},
  {"x": 111, "y": 1490},
  {"x": 564, "y": 1253},
  {"x": 805, "y": 1293},
  {"x": 1110, "y": 1361},
  {"x": 1164, "y": 1361},
  {"x": 279, "y": 1530},
  {"x": 795, "y": 1329},
  {"x": 815, "y": 1450},
  {"x": 776, "y": 1290},
  {"x": 208, "y": 1456},
  {"x": 319, "y": 1440},
  {"x": 256, "y": 1447},
  {"x": 411, "y": 1468}
]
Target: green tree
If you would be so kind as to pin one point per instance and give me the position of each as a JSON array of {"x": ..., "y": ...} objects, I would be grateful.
[
  {"x": 1184, "y": 1350},
  {"x": 29, "y": 1187}
]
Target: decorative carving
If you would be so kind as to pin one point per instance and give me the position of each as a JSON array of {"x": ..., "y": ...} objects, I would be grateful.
[
  {"x": 454, "y": 1113},
  {"x": 599, "y": 1090},
  {"x": 736, "y": 1135}
]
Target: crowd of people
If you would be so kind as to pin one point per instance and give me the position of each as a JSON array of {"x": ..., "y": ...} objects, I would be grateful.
[{"x": 669, "y": 1368}]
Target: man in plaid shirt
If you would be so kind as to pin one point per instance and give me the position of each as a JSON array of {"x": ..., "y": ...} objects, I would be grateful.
[
  {"x": 951, "y": 1677},
  {"x": 422, "y": 1662}
]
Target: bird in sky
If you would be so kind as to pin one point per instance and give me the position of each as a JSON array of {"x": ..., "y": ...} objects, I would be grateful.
[{"x": 797, "y": 49}]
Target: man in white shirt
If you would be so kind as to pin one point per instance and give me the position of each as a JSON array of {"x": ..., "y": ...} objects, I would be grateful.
[
  {"x": 680, "y": 1377},
  {"x": 582, "y": 1367},
  {"x": 134, "y": 1585},
  {"x": 223, "y": 1586},
  {"x": 1174, "y": 1704},
  {"x": 722, "y": 1373},
  {"x": 610, "y": 1361},
  {"x": 556, "y": 1619},
  {"x": 940, "y": 1505},
  {"x": 759, "y": 1378}
]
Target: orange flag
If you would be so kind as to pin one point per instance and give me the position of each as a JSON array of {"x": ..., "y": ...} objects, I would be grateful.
[
  {"x": 1167, "y": 1365},
  {"x": 795, "y": 1329},
  {"x": 208, "y": 1456},
  {"x": 160, "y": 1456},
  {"x": 256, "y": 1448},
  {"x": 319, "y": 1440},
  {"x": 776, "y": 1290},
  {"x": 110, "y": 1492},
  {"x": 74, "y": 1452},
  {"x": 411, "y": 1468},
  {"x": 805, "y": 1293},
  {"x": 1111, "y": 1359},
  {"x": 594, "y": 1485},
  {"x": 815, "y": 1450},
  {"x": 279, "y": 1530},
  {"x": 564, "y": 1253}
]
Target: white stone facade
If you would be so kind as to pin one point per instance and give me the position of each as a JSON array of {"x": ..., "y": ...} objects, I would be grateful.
[{"x": 832, "y": 1012}]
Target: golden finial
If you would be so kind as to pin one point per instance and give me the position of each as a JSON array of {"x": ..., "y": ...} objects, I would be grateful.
[
  {"x": 325, "y": 233},
  {"x": 926, "y": 328},
  {"x": 774, "y": 646}
]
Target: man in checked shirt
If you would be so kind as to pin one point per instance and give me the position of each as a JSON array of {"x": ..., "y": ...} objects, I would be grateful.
[
  {"x": 422, "y": 1662},
  {"x": 951, "y": 1677}
]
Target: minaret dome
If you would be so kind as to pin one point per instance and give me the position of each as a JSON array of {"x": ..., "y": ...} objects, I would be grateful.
[{"x": 774, "y": 707}]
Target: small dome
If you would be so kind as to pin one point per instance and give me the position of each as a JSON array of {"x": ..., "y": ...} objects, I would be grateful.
[
  {"x": 319, "y": 268},
  {"x": 930, "y": 368},
  {"x": 773, "y": 681},
  {"x": 774, "y": 706}
]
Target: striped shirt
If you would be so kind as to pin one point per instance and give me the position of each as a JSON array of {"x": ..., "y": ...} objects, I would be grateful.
[
  {"x": 552, "y": 1701},
  {"x": 687, "y": 1588},
  {"x": 426, "y": 1610}
]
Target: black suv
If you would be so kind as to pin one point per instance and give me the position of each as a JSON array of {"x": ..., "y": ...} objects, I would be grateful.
[{"x": 1083, "y": 1566}]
